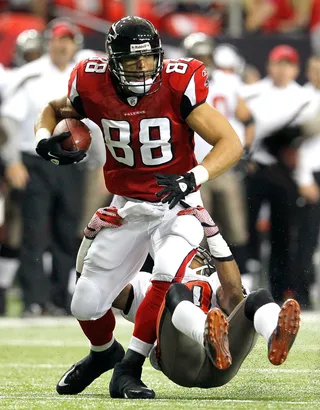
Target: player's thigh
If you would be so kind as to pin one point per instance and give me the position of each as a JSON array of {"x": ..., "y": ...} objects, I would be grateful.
[
  {"x": 173, "y": 246},
  {"x": 180, "y": 357},
  {"x": 114, "y": 258}
]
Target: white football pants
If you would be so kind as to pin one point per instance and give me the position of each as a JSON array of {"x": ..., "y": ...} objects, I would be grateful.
[{"x": 117, "y": 254}]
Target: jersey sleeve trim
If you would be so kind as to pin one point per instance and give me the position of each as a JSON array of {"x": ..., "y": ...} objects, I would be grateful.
[
  {"x": 73, "y": 91},
  {"x": 190, "y": 90},
  {"x": 189, "y": 97}
]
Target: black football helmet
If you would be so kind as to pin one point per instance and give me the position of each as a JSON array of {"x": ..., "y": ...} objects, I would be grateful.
[{"x": 131, "y": 37}]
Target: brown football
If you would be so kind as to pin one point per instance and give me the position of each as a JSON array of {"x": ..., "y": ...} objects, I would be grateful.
[{"x": 80, "y": 134}]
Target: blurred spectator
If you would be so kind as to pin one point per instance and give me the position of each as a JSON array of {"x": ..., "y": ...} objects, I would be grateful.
[
  {"x": 5, "y": 281},
  {"x": 279, "y": 105},
  {"x": 51, "y": 199},
  {"x": 29, "y": 47},
  {"x": 108, "y": 10},
  {"x": 224, "y": 196},
  {"x": 199, "y": 45},
  {"x": 227, "y": 58},
  {"x": 178, "y": 19},
  {"x": 271, "y": 16},
  {"x": 315, "y": 27},
  {"x": 307, "y": 176},
  {"x": 20, "y": 16},
  {"x": 250, "y": 74},
  {"x": 315, "y": 15}
]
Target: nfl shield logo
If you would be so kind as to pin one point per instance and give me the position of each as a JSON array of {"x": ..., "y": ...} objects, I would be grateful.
[{"x": 132, "y": 101}]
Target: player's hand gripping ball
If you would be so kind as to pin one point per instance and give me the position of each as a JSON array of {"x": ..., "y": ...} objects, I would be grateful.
[{"x": 70, "y": 140}]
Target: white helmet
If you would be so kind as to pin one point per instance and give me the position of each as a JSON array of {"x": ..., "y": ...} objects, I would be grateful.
[
  {"x": 227, "y": 56},
  {"x": 27, "y": 41},
  {"x": 197, "y": 44}
]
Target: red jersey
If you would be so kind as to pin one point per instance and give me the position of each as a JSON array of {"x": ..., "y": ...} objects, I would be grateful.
[{"x": 144, "y": 135}]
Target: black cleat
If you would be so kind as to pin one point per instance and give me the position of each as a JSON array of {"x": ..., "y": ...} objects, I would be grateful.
[
  {"x": 126, "y": 383},
  {"x": 83, "y": 373}
]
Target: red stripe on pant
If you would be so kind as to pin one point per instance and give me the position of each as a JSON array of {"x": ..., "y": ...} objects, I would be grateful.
[{"x": 182, "y": 270}]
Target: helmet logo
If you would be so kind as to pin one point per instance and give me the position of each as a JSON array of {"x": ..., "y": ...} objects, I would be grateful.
[
  {"x": 140, "y": 47},
  {"x": 132, "y": 101},
  {"x": 112, "y": 33}
]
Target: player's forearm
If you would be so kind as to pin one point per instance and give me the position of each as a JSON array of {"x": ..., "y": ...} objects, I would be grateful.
[
  {"x": 54, "y": 112},
  {"x": 216, "y": 130},
  {"x": 226, "y": 153},
  {"x": 230, "y": 279},
  {"x": 47, "y": 119}
]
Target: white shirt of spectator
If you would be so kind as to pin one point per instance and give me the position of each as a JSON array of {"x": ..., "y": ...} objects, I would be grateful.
[
  {"x": 5, "y": 78},
  {"x": 273, "y": 108},
  {"x": 309, "y": 152},
  {"x": 223, "y": 95}
]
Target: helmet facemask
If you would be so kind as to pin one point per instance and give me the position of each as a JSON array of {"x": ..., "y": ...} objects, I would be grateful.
[
  {"x": 205, "y": 261},
  {"x": 128, "y": 80}
]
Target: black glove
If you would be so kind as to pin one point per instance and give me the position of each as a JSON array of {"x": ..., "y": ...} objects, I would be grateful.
[
  {"x": 50, "y": 150},
  {"x": 177, "y": 187}
]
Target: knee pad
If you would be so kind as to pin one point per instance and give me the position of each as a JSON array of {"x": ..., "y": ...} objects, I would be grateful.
[
  {"x": 85, "y": 300},
  {"x": 176, "y": 294},
  {"x": 255, "y": 300}
]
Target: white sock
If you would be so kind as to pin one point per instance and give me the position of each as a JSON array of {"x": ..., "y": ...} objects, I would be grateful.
[
  {"x": 265, "y": 319},
  {"x": 139, "y": 346},
  {"x": 8, "y": 269},
  {"x": 102, "y": 347},
  {"x": 190, "y": 320}
]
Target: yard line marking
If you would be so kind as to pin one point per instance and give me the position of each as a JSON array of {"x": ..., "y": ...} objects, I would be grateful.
[
  {"x": 84, "y": 343},
  {"x": 307, "y": 317},
  {"x": 15, "y": 322},
  {"x": 44, "y": 343}
]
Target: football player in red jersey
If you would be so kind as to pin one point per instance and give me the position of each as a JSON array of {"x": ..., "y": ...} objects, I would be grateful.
[{"x": 147, "y": 109}]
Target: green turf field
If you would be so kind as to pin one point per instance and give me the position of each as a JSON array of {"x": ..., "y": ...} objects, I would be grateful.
[{"x": 35, "y": 353}]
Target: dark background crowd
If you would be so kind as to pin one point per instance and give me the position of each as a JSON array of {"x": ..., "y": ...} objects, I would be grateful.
[{"x": 279, "y": 244}]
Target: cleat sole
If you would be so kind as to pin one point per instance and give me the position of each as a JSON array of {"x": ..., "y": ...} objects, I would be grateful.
[
  {"x": 285, "y": 333},
  {"x": 216, "y": 339}
]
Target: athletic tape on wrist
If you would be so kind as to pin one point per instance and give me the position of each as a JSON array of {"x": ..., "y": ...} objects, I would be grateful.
[
  {"x": 218, "y": 247},
  {"x": 42, "y": 134},
  {"x": 200, "y": 173}
]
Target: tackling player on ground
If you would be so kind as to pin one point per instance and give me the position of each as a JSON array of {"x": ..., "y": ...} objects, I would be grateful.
[{"x": 148, "y": 110}]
